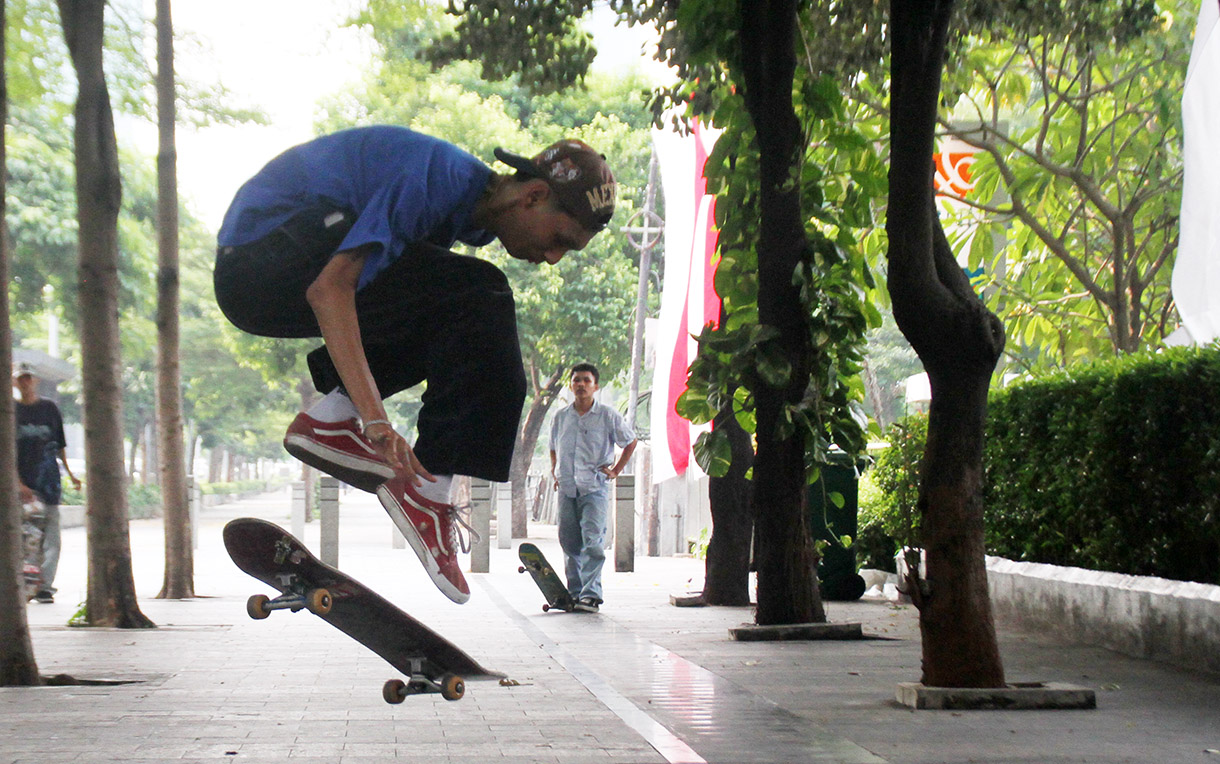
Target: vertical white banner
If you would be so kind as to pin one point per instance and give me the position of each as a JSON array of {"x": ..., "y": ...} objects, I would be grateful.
[
  {"x": 1196, "y": 272},
  {"x": 687, "y": 299}
]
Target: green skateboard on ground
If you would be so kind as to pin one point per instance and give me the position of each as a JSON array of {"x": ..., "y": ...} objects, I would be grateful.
[
  {"x": 556, "y": 593},
  {"x": 277, "y": 558}
]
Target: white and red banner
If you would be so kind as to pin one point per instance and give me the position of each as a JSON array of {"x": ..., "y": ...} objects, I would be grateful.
[
  {"x": 688, "y": 299},
  {"x": 1196, "y": 272}
]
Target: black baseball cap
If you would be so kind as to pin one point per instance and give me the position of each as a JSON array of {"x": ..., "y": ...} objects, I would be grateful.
[{"x": 579, "y": 176}]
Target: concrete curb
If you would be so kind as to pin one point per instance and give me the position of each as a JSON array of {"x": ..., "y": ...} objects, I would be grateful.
[
  {"x": 1173, "y": 621},
  {"x": 1032, "y": 697},
  {"x": 797, "y": 632}
]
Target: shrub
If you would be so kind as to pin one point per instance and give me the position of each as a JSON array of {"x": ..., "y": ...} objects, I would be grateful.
[
  {"x": 1111, "y": 466},
  {"x": 896, "y": 477}
]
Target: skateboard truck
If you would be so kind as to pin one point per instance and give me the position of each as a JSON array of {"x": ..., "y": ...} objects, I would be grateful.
[
  {"x": 297, "y": 597},
  {"x": 450, "y": 686}
]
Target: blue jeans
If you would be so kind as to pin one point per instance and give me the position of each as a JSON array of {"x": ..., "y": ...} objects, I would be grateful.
[{"x": 582, "y": 535}]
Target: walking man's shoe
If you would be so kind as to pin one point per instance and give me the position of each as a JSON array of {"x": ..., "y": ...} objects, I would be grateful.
[
  {"x": 433, "y": 531},
  {"x": 339, "y": 449},
  {"x": 587, "y": 605},
  {"x": 44, "y": 597}
]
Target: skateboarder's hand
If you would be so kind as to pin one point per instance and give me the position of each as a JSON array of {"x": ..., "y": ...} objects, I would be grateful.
[{"x": 398, "y": 454}]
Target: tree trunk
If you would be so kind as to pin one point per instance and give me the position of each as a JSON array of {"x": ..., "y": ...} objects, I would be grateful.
[
  {"x": 959, "y": 342},
  {"x": 111, "y": 599},
  {"x": 17, "y": 665},
  {"x": 216, "y": 459},
  {"x": 148, "y": 468},
  {"x": 727, "y": 572},
  {"x": 179, "y": 579},
  {"x": 523, "y": 453},
  {"x": 784, "y": 553}
]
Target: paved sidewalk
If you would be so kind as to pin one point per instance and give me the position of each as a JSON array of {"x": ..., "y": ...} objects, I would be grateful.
[{"x": 640, "y": 682}]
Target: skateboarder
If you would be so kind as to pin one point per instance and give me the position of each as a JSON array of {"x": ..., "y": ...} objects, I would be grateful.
[
  {"x": 583, "y": 437},
  {"x": 40, "y": 444},
  {"x": 346, "y": 238}
]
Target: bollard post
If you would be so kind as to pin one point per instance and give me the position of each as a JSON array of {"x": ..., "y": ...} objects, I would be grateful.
[
  {"x": 624, "y": 524},
  {"x": 504, "y": 515},
  {"x": 297, "y": 517},
  {"x": 328, "y": 512},
  {"x": 480, "y": 519},
  {"x": 192, "y": 510}
]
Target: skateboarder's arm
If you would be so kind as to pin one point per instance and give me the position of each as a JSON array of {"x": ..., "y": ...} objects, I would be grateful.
[{"x": 332, "y": 296}]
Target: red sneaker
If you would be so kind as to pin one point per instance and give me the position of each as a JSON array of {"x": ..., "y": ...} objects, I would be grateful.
[
  {"x": 339, "y": 449},
  {"x": 431, "y": 529}
]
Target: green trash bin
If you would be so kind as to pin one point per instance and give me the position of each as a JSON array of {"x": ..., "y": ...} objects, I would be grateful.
[{"x": 828, "y": 522}]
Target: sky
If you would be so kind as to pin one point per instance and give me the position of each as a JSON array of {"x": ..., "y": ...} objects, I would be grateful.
[{"x": 284, "y": 55}]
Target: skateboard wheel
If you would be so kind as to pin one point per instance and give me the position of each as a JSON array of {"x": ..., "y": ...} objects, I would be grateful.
[
  {"x": 546, "y": 608},
  {"x": 256, "y": 607},
  {"x": 452, "y": 687},
  {"x": 520, "y": 568},
  {"x": 394, "y": 691},
  {"x": 319, "y": 601}
]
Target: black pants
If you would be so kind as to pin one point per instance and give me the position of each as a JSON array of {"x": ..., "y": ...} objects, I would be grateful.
[{"x": 431, "y": 315}]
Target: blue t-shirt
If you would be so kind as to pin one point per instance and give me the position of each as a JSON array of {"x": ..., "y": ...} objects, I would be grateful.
[{"x": 403, "y": 187}]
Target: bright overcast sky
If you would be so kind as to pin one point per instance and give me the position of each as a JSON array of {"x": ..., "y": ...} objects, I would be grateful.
[{"x": 283, "y": 55}]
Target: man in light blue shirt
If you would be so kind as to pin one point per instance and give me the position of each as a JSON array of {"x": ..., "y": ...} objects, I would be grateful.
[{"x": 583, "y": 437}]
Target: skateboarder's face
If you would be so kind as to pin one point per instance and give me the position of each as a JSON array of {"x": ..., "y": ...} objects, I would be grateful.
[{"x": 541, "y": 232}]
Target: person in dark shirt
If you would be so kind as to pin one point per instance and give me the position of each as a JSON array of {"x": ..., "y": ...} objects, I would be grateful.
[{"x": 40, "y": 443}]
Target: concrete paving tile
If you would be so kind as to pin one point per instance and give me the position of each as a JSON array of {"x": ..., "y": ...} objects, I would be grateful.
[{"x": 292, "y": 688}]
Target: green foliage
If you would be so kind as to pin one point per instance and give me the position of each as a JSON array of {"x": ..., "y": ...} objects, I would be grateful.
[
  {"x": 1079, "y": 175},
  {"x": 892, "y": 505},
  {"x": 1113, "y": 466},
  {"x": 1110, "y": 466},
  {"x": 235, "y": 487},
  {"x": 874, "y": 547},
  {"x": 506, "y": 36},
  {"x": 738, "y": 356}
]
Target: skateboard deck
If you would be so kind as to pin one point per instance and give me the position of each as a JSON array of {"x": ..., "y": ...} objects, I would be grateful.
[
  {"x": 548, "y": 581},
  {"x": 272, "y": 555}
]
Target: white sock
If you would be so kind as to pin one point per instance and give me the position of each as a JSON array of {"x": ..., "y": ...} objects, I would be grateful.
[
  {"x": 438, "y": 491},
  {"x": 335, "y": 406}
]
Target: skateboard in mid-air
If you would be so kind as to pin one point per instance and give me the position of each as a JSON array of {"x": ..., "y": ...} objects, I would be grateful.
[
  {"x": 556, "y": 593},
  {"x": 272, "y": 555}
]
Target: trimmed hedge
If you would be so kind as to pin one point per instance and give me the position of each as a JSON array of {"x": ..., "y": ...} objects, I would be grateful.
[{"x": 1111, "y": 466}]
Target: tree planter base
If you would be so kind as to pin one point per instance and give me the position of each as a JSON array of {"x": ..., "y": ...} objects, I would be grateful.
[
  {"x": 687, "y": 599},
  {"x": 797, "y": 632},
  {"x": 1014, "y": 697}
]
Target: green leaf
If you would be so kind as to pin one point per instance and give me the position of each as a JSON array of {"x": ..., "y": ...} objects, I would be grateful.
[
  {"x": 713, "y": 453},
  {"x": 693, "y": 405}
]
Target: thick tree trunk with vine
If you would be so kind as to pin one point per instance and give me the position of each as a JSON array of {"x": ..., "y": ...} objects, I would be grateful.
[
  {"x": 111, "y": 599},
  {"x": 17, "y": 665},
  {"x": 523, "y": 453},
  {"x": 727, "y": 572},
  {"x": 179, "y": 580},
  {"x": 959, "y": 342},
  {"x": 784, "y": 554}
]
